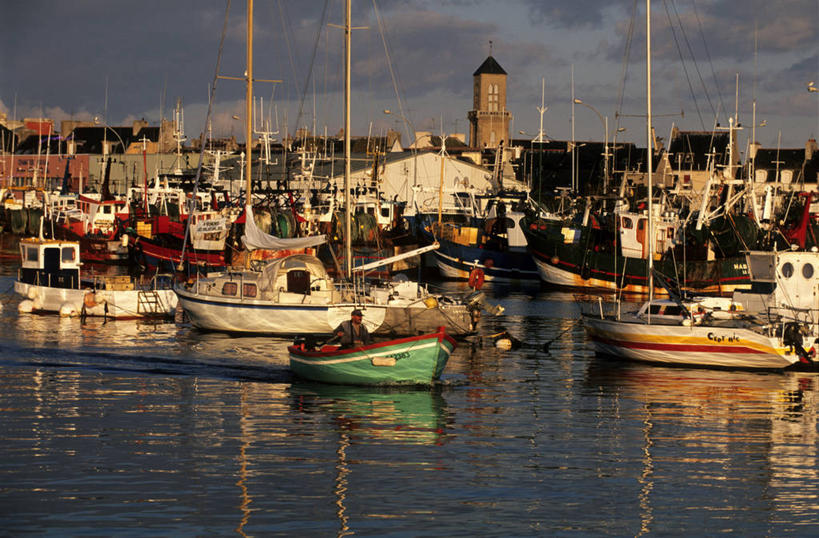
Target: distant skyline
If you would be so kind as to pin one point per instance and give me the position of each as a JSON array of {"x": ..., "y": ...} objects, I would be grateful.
[{"x": 60, "y": 59}]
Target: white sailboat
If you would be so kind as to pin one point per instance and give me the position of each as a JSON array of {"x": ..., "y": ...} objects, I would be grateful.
[
  {"x": 295, "y": 294},
  {"x": 755, "y": 339}
]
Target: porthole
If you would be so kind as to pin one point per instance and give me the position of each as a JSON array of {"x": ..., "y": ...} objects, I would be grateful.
[
  {"x": 787, "y": 270},
  {"x": 807, "y": 271}
]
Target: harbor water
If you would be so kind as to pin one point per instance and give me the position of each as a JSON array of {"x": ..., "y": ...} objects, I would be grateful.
[{"x": 130, "y": 428}]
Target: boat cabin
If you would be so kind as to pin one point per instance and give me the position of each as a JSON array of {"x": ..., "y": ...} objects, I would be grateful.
[
  {"x": 633, "y": 235},
  {"x": 782, "y": 280},
  {"x": 50, "y": 263},
  {"x": 290, "y": 278}
]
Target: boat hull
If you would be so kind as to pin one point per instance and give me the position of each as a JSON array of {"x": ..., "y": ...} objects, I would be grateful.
[
  {"x": 706, "y": 346},
  {"x": 574, "y": 265},
  {"x": 266, "y": 317},
  {"x": 457, "y": 262},
  {"x": 417, "y": 360},
  {"x": 120, "y": 304}
]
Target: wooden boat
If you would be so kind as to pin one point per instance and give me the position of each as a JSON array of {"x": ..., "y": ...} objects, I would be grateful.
[
  {"x": 417, "y": 360},
  {"x": 50, "y": 280}
]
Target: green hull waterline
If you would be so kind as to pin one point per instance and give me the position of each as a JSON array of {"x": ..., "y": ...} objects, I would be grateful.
[{"x": 418, "y": 362}]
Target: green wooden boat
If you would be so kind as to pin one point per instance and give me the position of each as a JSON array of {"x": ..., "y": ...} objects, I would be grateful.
[{"x": 416, "y": 360}]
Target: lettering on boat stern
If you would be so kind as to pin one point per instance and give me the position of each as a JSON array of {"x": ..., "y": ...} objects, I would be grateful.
[{"x": 723, "y": 338}]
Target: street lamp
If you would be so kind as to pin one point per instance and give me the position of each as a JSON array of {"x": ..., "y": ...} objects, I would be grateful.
[
  {"x": 407, "y": 123},
  {"x": 105, "y": 152},
  {"x": 605, "y": 123},
  {"x": 97, "y": 121}
]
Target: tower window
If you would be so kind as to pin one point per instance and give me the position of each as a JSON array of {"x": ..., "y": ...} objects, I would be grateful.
[{"x": 493, "y": 98}]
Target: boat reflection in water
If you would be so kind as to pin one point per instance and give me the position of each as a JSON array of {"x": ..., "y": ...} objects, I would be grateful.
[
  {"x": 721, "y": 421},
  {"x": 402, "y": 415},
  {"x": 371, "y": 416}
]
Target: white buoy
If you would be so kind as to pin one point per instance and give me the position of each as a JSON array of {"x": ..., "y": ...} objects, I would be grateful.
[
  {"x": 26, "y": 306},
  {"x": 32, "y": 293},
  {"x": 67, "y": 310}
]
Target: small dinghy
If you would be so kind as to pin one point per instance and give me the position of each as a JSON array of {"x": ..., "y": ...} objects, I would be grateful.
[{"x": 415, "y": 360}]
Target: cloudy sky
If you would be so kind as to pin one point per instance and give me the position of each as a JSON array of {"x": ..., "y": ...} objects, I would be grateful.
[{"x": 128, "y": 60}]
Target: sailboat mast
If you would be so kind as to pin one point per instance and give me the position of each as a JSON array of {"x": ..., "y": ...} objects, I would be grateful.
[
  {"x": 649, "y": 154},
  {"x": 249, "y": 101},
  {"x": 347, "y": 210}
]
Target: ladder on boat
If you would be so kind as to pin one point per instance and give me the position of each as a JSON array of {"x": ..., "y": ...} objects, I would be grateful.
[{"x": 149, "y": 302}]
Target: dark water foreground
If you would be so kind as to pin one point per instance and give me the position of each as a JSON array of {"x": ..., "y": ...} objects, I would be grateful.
[{"x": 127, "y": 428}]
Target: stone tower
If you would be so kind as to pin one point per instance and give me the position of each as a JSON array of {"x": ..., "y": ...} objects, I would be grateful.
[{"x": 489, "y": 119}]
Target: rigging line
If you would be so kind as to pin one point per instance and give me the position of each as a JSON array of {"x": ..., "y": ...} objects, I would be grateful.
[
  {"x": 288, "y": 39},
  {"x": 708, "y": 55},
  {"x": 202, "y": 145},
  {"x": 393, "y": 76},
  {"x": 624, "y": 76},
  {"x": 312, "y": 63},
  {"x": 693, "y": 58},
  {"x": 682, "y": 61}
]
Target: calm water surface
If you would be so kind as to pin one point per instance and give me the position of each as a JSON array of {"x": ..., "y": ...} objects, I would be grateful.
[{"x": 128, "y": 428}]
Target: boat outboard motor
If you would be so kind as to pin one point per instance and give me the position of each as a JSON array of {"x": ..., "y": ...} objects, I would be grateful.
[{"x": 792, "y": 338}]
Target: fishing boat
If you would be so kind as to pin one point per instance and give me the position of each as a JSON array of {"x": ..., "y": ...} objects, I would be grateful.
[
  {"x": 495, "y": 246},
  {"x": 296, "y": 295},
  {"x": 416, "y": 360},
  {"x": 50, "y": 280},
  {"x": 769, "y": 338}
]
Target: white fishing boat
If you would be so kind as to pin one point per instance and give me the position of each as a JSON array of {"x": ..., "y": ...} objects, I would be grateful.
[
  {"x": 773, "y": 338},
  {"x": 51, "y": 281}
]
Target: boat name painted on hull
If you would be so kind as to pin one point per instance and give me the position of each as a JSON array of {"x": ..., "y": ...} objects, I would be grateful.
[{"x": 723, "y": 338}]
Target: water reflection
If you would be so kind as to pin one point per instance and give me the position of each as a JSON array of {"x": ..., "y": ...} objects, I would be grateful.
[
  {"x": 716, "y": 421},
  {"x": 401, "y": 415}
]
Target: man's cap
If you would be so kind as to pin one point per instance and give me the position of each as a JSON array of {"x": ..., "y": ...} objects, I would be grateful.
[{"x": 356, "y": 312}]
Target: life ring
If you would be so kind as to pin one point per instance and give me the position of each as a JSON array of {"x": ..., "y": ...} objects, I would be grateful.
[{"x": 476, "y": 278}]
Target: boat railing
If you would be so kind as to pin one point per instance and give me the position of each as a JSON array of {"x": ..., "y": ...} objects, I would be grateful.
[
  {"x": 787, "y": 314},
  {"x": 62, "y": 279}
]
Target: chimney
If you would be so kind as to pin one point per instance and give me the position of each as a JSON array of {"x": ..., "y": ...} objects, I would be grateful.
[
  {"x": 810, "y": 149},
  {"x": 753, "y": 149}
]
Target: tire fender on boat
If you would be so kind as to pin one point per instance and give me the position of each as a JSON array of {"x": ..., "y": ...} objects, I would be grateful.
[{"x": 67, "y": 310}]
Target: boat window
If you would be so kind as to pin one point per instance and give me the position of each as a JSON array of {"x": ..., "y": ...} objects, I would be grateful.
[
  {"x": 229, "y": 288},
  {"x": 32, "y": 254},
  {"x": 787, "y": 270},
  {"x": 807, "y": 270},
  {"x": 627, "y": 224},
  {"x": 68, "y": 254},
  {"x": 249, "y": 290}
]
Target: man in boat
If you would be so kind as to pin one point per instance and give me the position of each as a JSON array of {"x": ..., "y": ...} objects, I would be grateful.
[{"x": 352, "y": 332}]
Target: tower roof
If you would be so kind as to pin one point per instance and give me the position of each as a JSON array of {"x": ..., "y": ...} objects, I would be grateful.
[{"x": 490, "y": 66}]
